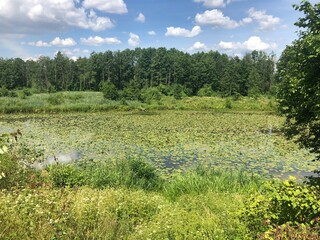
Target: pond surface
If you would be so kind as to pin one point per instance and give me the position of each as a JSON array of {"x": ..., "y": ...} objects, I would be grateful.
[{"x": 173, "y": 140}]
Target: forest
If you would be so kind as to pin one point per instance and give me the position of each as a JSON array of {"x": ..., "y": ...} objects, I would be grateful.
[{"x": 252, "y": 75}]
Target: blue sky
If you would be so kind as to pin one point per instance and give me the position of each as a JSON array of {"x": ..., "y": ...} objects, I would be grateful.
[{"x": 31, "y": 28}]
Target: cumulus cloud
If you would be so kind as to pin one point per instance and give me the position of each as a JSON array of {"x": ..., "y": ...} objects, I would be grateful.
[
  {"x": 98, "y": 41},
  {"x": 253, "y": 43},
  {"x": 215, "y": 18},
  {"x": 39, "y": 43},
  {"x": 134, "y": 40},
  {"x": 182, "y": 32},
  {"x": 266, "y": 22},
  {"x": 68, "y": 42},
  {"x": 141, "y": 18},
  {"x": 198, "y": 46},
  {"x": 109, "y": 6},
  {"x": 25, "y": 16},
  {"x": 152, "y": 33},
  {"x": 214, "y": 3}
]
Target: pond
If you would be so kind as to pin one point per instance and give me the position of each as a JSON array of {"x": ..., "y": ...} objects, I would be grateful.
[{"x": 172, "y": 140}]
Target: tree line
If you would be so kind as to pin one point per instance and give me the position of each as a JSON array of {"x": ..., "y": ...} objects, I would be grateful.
[{"x": 210, "y": 72}]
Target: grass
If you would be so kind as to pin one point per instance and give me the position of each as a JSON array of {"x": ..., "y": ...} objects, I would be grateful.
[
  {"x": 94, "y": 102},
  {"x": 124, "y": 207}
]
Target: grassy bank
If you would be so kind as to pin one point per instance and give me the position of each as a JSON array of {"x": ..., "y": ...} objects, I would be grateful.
[
  {"x": 123, "y": 200},
  {"x": 94, "y": 102},
  {"x": 130, "y": 199}
]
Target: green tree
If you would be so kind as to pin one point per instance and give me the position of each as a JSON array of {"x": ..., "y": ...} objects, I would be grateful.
[{"x": 299, "y": 73}]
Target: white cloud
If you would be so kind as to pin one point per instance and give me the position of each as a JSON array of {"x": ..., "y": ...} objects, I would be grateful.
[
  {"x": 152, "y": 33},
  {"x": 182, "y": 32},
  {"x": 253, "y": 43},
  {"x": 198, "y": 46},
  {"x": 25, "y": 16},
  {"x": 134, "y": 40},
  {"x": 266, "y": 22},
  {"x": 97, "y": 41},
  {"x": 39, "y": 43},
  {"x": 68, "y": 42},
  {"x": 215, "y": 18},
  {"x": 109, "y": 6},
  {"x": 141, "y": 18},
  {"x": 214, "y": 3},
  {"x": 246, "y": 20}
]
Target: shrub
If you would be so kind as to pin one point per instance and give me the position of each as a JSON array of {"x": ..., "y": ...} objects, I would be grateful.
[
  {"x": 12, "y": 172},
  {"x": 13, "y": 94},
  {"x": 177, "y": 91},
  {"x": 205, "y": 91},
  {"x": 151, "y": 94},
  {"x": 66, "y": 175},
  {"x": 228, "y": 103},
  {"x": 55, "y": 99},
  {"x": 109, "y": 90},
  {"x": 27, "y": 92},
  {"x": 287, "y": 204},
  {"x": 4, "y": 92}
]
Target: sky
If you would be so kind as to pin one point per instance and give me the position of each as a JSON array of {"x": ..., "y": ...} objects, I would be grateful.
[{"x": 33, "y": 28}]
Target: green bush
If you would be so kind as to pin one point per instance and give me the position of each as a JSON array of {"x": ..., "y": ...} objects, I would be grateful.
[
  {"x": 12, "y": 172},
  {"x": 287, "y": 204},
  {"x": 228, "y": 103},
  {"x": 205, "y": 91},
  {"x": 55, "y": 98},
  {"x": 109, "y": 90},
  {"x": 4, "y": 92},
  {"x": 130, "y": 173},
  {"x": 66, "y": 175},
  {"x": 151, "y": 94},
  {"x": 13, "y": 94}
]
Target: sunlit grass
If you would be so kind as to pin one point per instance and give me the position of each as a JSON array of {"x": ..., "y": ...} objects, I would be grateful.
[{"x": 94, "y": 101}]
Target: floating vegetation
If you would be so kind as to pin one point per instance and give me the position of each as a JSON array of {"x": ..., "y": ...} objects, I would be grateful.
[{"x": 173, "y": 140}]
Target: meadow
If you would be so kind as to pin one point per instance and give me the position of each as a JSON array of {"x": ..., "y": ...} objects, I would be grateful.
[{"x": 196, "y": 169}]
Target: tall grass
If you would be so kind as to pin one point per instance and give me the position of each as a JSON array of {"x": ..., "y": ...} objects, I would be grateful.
[
  {"x": 94, "y": 101},
  {"x": 204, "y": 179}
]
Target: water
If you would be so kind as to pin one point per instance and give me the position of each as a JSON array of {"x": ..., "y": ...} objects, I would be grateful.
[{"x": 60, "y": 158}]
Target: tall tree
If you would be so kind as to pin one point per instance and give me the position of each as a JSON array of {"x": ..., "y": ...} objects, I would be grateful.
[{"x": 299, "y": 71}]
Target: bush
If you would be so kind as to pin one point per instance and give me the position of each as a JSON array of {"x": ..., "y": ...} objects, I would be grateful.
[
  {"x": 177, "y": 91},
  {"x": 151, "y": 94},
  {"x": 4, "y": 92},
  {"x": 287, "y": 204},
  {"x": 109, "y": 90},
  {"x": 12, "y": 172},
  {"x": 27, "y": 92},
  {"x": 205, "y": 91},
  {"x": 66, "y": 175},
  {"x": 55, "y": 99},
  {"x": 13, "y": 94},
  {"x": 228, "y": 103},
  {"x": 130, "y": 173}
]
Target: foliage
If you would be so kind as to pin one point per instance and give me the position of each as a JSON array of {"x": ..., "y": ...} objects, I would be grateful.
[
  {"x": 148, "y": 67},
  {"x": 109, "y": 90},
  {"x": 203, "y": 179},
  {"x": 205, "y": 91},
  {"x": 4, "y": 92},
  {"x": 56, "y": 99},
  {"x": 299, "y": 67},
  {"x": 130, "y": 173},
  {"x": 288, "y": 205},
  {"x": 13, "y": 172},
  {"x": 151, "y": 94}
]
